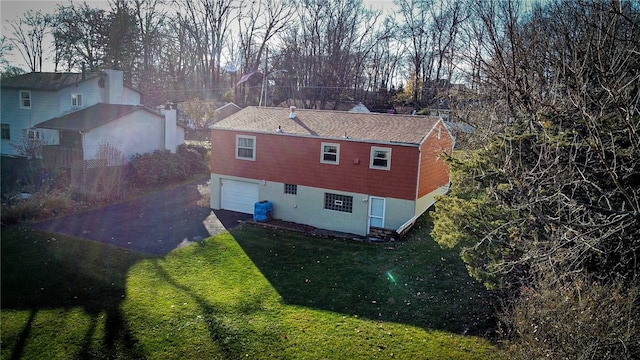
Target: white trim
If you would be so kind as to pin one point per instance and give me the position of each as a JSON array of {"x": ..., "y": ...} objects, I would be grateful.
[
  {"x": 253, "y": 148},
  {"x": 375, "y": 149},
  {"x": 384, "y": 209},
  {"x": 440, "y": 122},
  {"x": 440, "y": 191},
  {"x": 323, "y": 153},
  {"x": 21, "y": 99},
  {"x": 238, "y": 196}
]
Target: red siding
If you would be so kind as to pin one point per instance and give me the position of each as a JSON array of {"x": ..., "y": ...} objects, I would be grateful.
[
  {"x": 296, "y": 160},
  {"x": 434, "y": 171}
]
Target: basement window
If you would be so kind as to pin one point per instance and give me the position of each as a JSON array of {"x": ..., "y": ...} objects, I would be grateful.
[
  {"x": 291, "y": 189},
  {"x": 338, "y": 202}
]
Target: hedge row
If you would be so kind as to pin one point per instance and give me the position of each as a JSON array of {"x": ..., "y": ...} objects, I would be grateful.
[{"x": 162, "y": 166}]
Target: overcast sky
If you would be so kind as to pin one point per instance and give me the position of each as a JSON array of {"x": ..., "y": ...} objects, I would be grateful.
[{"x": 13, "y": 9}]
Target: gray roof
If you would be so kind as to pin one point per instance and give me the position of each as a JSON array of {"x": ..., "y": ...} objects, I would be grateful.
[
  {"x": 49, "y": 81},
  {"x": 392, "y": 128},
  {"x": 92, "y": 117}
]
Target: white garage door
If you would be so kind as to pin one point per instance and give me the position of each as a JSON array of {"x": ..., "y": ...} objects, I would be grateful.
[{"x": 239, "y": 196}]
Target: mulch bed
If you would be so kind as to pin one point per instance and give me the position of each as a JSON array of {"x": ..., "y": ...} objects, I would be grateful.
[{"x": 306, "y": 229}]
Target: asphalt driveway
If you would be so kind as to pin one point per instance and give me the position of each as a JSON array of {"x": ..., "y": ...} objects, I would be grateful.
[{"x": 154, "y": 224}]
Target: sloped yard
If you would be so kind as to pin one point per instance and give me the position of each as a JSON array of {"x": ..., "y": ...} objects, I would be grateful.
[{"x": 253, "y": 293}]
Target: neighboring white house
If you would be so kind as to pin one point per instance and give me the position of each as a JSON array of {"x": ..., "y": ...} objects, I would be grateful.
[
  {"x": 79, "y": 111},
  {"x": 132, "y": 129}
]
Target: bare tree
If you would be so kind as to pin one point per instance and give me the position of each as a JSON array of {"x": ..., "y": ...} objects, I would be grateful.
[
  {"x": 152, "y": 75},
  {"x": 79, "y": 37},
  {"x": 201, "y": 112},
  {"x": 380, "y": 68},
  {"x": 28, "y": 35},
  {"x": 151, "y": 17},
  {"x": 432, "y": 32},
  {"x": 207, "y": 24},
  {"x": 447, "y": 20},
  {"x": 551, "y": 205},
  {"x": 563, "y": 173},
  {"x": 258, "y": 23},
  {"x": 324, "y": 51},
  {"x": 6, "y": 69},
  {"x": 416, "y": 22}
]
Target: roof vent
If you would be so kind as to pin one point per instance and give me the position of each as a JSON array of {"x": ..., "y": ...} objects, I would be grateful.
[
  {"x": 345, "y": 135},
  {"x": 292, "y": 114},
  {"x": 279, "y": 129}
]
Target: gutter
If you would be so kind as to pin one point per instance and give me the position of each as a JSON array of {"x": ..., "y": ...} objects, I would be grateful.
[{"x": 321, "y": 137}]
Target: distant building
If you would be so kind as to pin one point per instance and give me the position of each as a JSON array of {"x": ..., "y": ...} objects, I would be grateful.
[{"x": 73, "y": 113}]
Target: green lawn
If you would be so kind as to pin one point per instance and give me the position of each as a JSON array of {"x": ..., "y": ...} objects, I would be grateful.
[{"x": 254, "y": 293}]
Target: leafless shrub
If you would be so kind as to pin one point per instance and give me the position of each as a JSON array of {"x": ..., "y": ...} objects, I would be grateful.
[{"x": 578, "y": 319}]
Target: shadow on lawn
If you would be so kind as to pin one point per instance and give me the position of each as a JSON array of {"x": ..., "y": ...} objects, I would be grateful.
[
  {"x": 41, "y": 272},
  {"x": 413, "y": 282},
  {"x": 228, "y": 340}
]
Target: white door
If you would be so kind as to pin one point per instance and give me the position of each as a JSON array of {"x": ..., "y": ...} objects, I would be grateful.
[
  {"x": 376, "y": 212},
  {"x": 239, "y": 196}
]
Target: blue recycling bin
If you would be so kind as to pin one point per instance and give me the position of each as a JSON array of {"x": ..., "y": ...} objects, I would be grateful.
[{"x": 262, "y": 211}]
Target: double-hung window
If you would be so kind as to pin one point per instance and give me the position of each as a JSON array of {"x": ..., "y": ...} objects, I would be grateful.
[
  {"x": 33, "y": 134},
  {"x": 330, "y": 153},
  {"x": 76, "y": 100},
  {"x": 6, "y": 132},
  {"x": 245, "y": 147},
  {"x": 25, "y": 99},
  {"x": 380, "y": 158}
]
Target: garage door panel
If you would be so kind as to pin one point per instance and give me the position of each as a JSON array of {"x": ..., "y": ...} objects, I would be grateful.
[{"x": 239, "y": 196}]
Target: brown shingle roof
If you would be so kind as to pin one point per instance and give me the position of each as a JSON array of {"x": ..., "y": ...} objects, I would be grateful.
[{"x": 333, "y": 124}]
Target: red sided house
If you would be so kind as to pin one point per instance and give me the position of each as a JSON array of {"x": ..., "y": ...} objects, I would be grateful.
[{"x": 368, "y": 174}]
